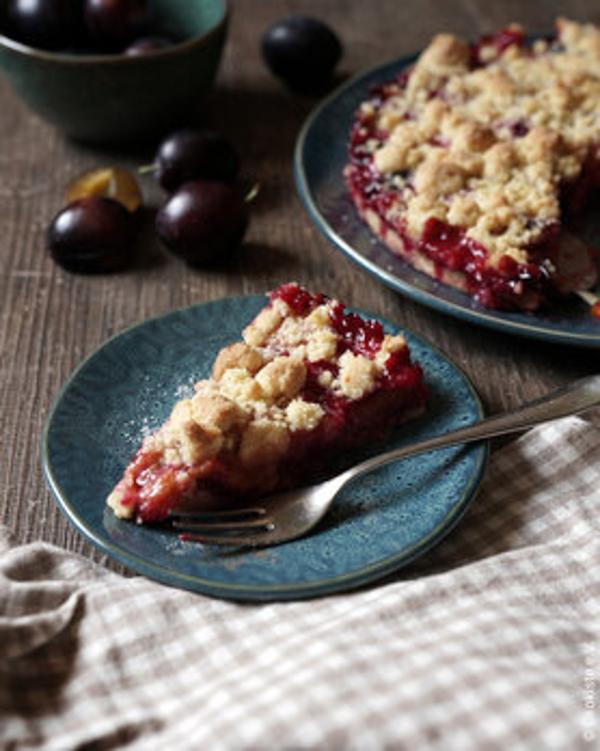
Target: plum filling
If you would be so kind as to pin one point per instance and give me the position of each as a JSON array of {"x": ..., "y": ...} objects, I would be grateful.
[
  {"x": 450, "y": 248},
  {"x": 300, "y": 300},
  {"x": 500, "y": 41},
  {"x": 153, "y": 487},
  {"x": 575, "y": 196}
]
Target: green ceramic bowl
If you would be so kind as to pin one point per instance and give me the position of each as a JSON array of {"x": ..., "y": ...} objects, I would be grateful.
[{"x": 108, "y": 98}]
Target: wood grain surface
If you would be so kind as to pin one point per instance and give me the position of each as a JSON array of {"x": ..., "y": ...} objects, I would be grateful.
[{"x": 50, "y": 319}]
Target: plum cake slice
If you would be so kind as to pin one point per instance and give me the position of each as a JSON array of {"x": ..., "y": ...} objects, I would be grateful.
[
  {"x": 309, "y": 380},
  {"x": 470, "y": 163}
]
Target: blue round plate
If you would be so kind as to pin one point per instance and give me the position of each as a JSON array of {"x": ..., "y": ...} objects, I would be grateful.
[
  {"x": 378, "y": 524},
  {"x": 320, "y": 157}
]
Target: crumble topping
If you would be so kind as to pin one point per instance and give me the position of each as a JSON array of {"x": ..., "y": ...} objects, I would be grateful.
[
  {"x": 263, "y": 442},
  {"x": 301, "y": 415},
  {"x": 487, "y": 148},
  {"x": 239, "y": 355},
  {"x": 282, "y": 378},
  {"x": 357, "y": 375},
  {"x": 265, "y": 323}
]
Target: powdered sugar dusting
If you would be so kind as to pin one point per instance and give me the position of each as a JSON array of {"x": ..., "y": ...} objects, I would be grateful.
[{"x": 186, "y": 389}]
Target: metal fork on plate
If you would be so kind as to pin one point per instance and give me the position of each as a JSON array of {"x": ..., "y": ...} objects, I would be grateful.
[{"x": 286, "y": 516}]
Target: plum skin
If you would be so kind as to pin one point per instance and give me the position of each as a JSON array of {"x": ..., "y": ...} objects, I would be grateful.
[
  {"x": 302, "y": 51},
  {"x": 203, "y": 222},
  {"x": 113, "y": 24},
  {"x": 92, "y": 235},
  {"x": 189, "y": 154},
  {"x": 47, "y": 24},
  {"x": 147, "y": 45}
]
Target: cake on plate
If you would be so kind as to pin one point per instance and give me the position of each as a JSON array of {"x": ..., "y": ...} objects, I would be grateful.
[
  {"x": 473, "y": 163},
  {"x": 308, "y": 381}
]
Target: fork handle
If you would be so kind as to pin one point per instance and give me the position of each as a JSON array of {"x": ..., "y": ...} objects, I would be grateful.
[{"x": 568, "y": 400}]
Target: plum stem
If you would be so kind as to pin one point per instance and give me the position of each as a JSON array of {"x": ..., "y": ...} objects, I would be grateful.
[
  {"x": 146, "y": 168},
  {"x": 252, "y": 193}
]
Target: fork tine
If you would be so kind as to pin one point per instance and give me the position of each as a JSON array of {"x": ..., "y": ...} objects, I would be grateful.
[
  {"x": 264, "y": 523},
  {"x": 241, "y": 514},
  {"x": 247, "y": 542}
]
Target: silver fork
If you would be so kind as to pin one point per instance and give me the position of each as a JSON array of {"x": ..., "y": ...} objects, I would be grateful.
[{"x": 286, "y": 516}]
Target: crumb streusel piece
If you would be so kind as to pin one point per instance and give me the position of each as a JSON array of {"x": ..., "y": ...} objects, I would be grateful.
[
  {"x": 469, "y": 162},
  {"x": 308, "y": 380}
]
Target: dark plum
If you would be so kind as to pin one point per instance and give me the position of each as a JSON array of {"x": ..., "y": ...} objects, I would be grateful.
[
  {"x": 145, "y": 45},
  {"x": 92, "y": 235},
  {"x": 203, "y": 221},
  {"x": 190, "y": 154},
  {"x": 302, "y": 51},
  {"x": 47, "y": 24},
  {"x": 113, "y": 24}
]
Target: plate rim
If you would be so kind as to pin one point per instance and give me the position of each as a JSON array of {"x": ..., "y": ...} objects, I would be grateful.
[
  {"x": 346, "y": 581},
  {"x": 481, "y": 318}
]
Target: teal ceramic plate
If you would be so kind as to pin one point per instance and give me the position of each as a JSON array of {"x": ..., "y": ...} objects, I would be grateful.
[
  {"x": 319, "y": 160},
  {"x": 378, "y": 524}
]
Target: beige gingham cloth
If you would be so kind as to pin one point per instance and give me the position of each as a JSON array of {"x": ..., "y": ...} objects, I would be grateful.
[{"x": 492, "y": 641}]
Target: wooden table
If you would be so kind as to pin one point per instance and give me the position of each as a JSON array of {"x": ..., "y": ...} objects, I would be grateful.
[{"x": 51, "y": 319}]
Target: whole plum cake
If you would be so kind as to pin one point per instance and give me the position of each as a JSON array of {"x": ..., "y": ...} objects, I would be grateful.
[
  {"x": 308, "y": 381},
  {"x": 471, "y": 162}
]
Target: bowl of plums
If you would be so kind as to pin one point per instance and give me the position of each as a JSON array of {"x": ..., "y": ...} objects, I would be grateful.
[
  {"x": 112, "y": 70},
  {"x": 206, "y": 210}
]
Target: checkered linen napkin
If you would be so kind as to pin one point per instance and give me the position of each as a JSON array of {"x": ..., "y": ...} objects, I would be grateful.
[{"x": 492, "y": 641}]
